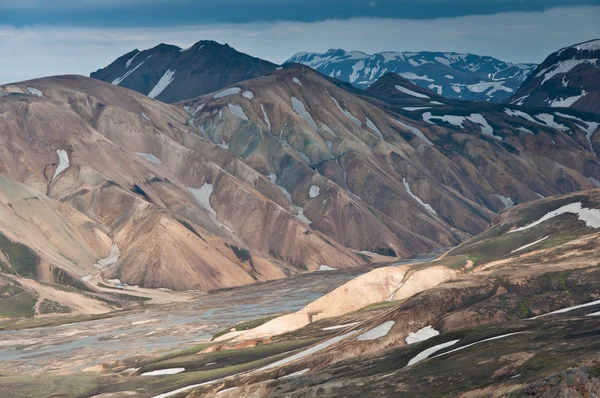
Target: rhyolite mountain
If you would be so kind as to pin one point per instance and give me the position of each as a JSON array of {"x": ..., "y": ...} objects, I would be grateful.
[
  {"x": 170, "y": 73},
  {"x": 452, "y": 75},
  {"x": 568, "y": 78},
  {"x": 266, "y": 178},
  {"x": 512, "y": 312}
]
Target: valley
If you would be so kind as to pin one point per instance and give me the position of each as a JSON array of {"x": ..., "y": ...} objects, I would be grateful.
[{"x": 197, "y": 222}]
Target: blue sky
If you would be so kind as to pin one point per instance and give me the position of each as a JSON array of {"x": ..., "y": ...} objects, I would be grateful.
[{"x": 47, "y": 37}]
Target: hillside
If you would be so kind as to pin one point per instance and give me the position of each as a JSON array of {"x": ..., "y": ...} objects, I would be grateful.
[{"x": 568, "y": 78}]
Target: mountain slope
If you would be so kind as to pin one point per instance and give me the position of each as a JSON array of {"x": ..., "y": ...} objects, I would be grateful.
[
  {"x": 452, "y": 75},
  {"x": 305, "y": 130},
  {"x": 568, "y": 78},
  {"x": 281, "y": 174},
  {"x": 518, "y": 316},
  {"x": 170, "y": 74},
  {"x": 158, "y": 192}
]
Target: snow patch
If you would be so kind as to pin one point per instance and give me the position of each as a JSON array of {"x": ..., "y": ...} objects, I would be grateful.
[
  {"x": 567, "y": 102},
  {"x": 130, "y": 60},
  {"x": 161, "y": 372},
  {"x": 324, "y": 267},
  {"x": 112, "y": 258},
  {"x": 118, "y": 80},
  {"x": 416, "y": 108},
  {"x": 336, "y": 327},
  {"x": 346, "y": 113},
  {"x": 202, "y": 196},
  {"x": 223, "y": 145},
  {"x": 164, "y": 81},
  {"x": 373, "y": 127},
  {"x": 377, "y": 332},
  {"x": 237, "y": 110},
  {"x": 265, "y": 117},
  {"x": 563, "y": 310},
  {"x": 415, "y": 197},
  {"x": 63, "y": 162},
  {"x": 421, "y": 335},
  {"x": 477, "y": 342},
  {"x": 295, "y": 80},
  {"x": 145, "y": 116},
  {"x": 410, "y": 92},
  {"x": 314, "y": 191},
  {"x": 149, "y": 157},
  {"x": 423, "y": 355},
  {"x": 563, "y": 67},
  {"x": 415, "y": 131},
  {"x": 438, "y": 89},
  {"x": 548, "y": 120},
  {"x": 248, "y": 94},
  {"x": 301, "y": 110},
  {"x": 508, "y": 202},
  {"x": 310, "y": 351},
  {"x": 227, "y": 92},
  {"x": 295, "y": 374},
  {"x": 591, "y": 217},
  {"x": 414, "y": 76},
  {"x": 530, "y": 244},
  {"x": 35, "y": 91}
]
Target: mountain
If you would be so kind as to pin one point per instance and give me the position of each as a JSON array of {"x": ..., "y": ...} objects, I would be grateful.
[
  {"x": 282, "y": 174},
  {"x": 413, "y": 178},
  {"x": 170, "y": 74},
  {"x": 568, "y": 78},
  {"x": 453, "y": 75},
  {"x": 513, "y": 298},
  {"x": 101, "y": 180}
]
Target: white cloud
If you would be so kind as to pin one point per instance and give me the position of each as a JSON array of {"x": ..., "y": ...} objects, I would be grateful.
[{"x": 48, "y": 50}]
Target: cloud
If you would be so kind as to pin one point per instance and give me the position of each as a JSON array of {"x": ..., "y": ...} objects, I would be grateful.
[
  {"x": 139, "y": 13},
  {"x": 519, "y": 37}
]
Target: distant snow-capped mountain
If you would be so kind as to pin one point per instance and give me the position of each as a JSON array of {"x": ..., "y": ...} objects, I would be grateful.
[
  {"x": 568, "y": 78},
  {"x": 452, "y": 75},
  {"x": 170, "y": 73}
]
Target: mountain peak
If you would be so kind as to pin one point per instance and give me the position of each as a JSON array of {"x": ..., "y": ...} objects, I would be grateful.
[
  {"x": 452, "y": 75},
  {"x": 172, "y": 74}
]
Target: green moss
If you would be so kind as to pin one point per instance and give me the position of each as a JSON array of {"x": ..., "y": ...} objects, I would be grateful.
[
  {"x": 24, "y": 261},
  {"x": 53, "y": 307},
  {"x": 366, "y": 259},
  {"x": 20, "y": 304},
  {"x": 68, "y": 386}
]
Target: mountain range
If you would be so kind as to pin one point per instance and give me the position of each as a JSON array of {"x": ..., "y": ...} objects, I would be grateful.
[
  {"x": 177, "y": 175},
  {"x": 454, "y": 75}
]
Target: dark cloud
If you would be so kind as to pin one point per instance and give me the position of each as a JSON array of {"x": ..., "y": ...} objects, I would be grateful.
[{"x": 137, "y": 13}]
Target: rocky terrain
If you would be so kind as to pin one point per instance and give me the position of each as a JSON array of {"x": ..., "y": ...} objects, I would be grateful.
[
  {"x": 170, "y": 73},
  {"x": 292, "y": 172},
  {"x": 452, "y": 75},
  {"x": 568, "y": 78},
  {"x": 516, "y": 314}
]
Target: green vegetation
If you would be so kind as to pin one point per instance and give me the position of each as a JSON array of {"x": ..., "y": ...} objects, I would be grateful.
[
  {"x": 31, "y": 323},
  {"x": 242, "y": 254},
  {"x": 74, "y": 385},
  {"x": 246, "y": 325},
  {"x": 62, "y": 277},
  {"x": 24, "y": 261},
  {"x": 382, "y": 305},
  {"x": 366, "y": 259},
  {"x": 16, "y": 302},
  {"x": 228, "y": 358},
  {"x": 53, "y": 307}
]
